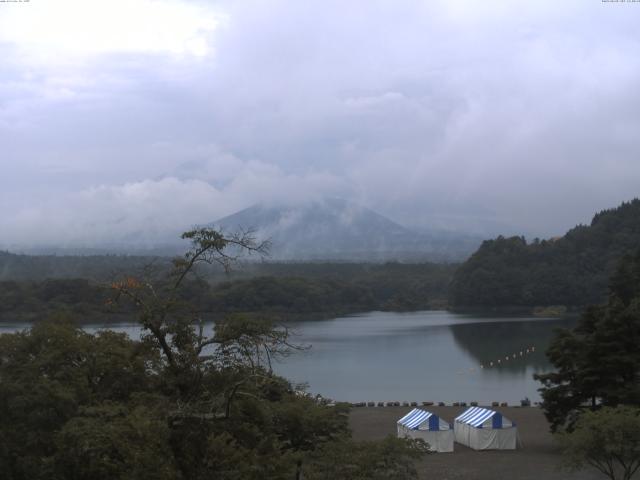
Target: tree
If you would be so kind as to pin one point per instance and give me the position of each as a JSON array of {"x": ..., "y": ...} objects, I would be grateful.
[
  {"x": 49, "y": 375},
  {"x": 572, "y": 270},
  {"x": 169, "y": 321},
  {"x": 226, "y": 390},
  {"x": 598, "y": 362},
  {"x": 389, "y": 459},
  {"x": 182, "y": 403},
  {"x": 607, "y": 439},
  {"x": 111, "y": 441}
]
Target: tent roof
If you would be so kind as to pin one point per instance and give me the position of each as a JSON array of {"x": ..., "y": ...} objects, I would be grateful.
[
  {"x": 475, "y": 416},
  {"x": 414, "y": 418}
]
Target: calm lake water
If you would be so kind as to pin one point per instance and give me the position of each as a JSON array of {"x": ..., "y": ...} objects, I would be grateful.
[{"x": 417, "y": 356}]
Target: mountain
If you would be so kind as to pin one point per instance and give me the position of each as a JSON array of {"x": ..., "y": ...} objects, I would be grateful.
[
  {"x": 335, "y": 229},
  {"x": 572, "y": 270},
  {"x": 329, "y": 229}
]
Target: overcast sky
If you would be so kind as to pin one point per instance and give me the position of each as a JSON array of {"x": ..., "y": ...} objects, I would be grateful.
[{"x": 127, "y": 115}]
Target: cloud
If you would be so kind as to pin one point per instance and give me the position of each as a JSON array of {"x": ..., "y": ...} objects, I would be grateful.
[
  {"x": 155, "y": 212},
  {"x": 498, "y": 113},
  {"x": 90, "y": 27}
]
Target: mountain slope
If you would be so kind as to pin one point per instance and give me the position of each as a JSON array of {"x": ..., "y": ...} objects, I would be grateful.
[
  {"x": 572, "y": 270},
  {"x": 337, "y": 229}
]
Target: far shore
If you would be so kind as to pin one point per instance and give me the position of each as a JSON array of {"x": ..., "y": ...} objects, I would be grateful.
[
  {"x": 548, "y": 311},
  {"x": 107, "y": 318}
]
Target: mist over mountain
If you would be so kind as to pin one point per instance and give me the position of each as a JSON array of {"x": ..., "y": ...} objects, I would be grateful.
[
  {"x": 316, "y": 229},
  {"x": 336, "y": 229}
]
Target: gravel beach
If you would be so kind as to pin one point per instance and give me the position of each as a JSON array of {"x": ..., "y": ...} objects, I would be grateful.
[{"x": 537, "y": 459}]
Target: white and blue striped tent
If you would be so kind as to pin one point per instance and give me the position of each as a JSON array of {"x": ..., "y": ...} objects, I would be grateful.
[
  {"x": 429, "y": 427},
  {"x": 483, "y": 429}
]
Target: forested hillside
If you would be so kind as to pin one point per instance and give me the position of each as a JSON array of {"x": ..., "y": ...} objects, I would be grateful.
[
  {"x": 94, "y": 267},
  {"x": 572, "y": 270},
  {"x": 289, "y": 290}
]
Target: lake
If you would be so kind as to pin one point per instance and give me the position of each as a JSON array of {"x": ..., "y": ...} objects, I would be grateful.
[{"x": 417, "y": 356}]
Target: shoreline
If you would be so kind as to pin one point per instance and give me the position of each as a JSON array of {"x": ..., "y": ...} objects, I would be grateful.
[{"x": 98, "y": 317}]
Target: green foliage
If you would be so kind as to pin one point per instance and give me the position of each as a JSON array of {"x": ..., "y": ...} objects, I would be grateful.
[
  {"x": 288, "y": 290},
  {"x": 288, "y": 295},
  {"x": 598, "y": 363},
  {"x": 29, "y": 300},
  {"x": 47, "y": 375},
  {"x": 572, "y": 270},
  {"x": 182, "y": 403},
  {"x": 81, "y": 406},
  {"x": 112, "y": 441},
  {"x": 63, "y": 267},
  {"x": 607, "y": 439},
  {"x": 390, "y": 459}
]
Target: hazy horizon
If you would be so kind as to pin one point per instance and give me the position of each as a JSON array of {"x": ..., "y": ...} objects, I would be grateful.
[{"x": 134, "y": 116}]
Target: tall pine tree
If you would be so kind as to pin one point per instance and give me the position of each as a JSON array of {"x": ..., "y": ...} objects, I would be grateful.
[{"x": 598, "y": 362}]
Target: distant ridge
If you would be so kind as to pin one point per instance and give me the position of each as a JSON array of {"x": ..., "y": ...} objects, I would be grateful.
[
  {"x": 335, "y": 229},
  {"x": 572, "y": 270}
]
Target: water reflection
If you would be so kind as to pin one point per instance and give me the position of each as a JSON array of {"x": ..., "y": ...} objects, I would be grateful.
[
  {"x": 381, "y": 356},
  {"x": 500, "y": 340},
  {"x": 385, "y": 356}
]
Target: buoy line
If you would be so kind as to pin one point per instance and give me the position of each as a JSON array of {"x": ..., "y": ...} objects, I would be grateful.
[{"x": 501, "y": 360}]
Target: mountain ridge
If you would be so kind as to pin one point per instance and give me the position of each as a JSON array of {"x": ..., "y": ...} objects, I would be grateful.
[
  {"x": 338, "y": 229},
  {"x": 572, "y": 270}
]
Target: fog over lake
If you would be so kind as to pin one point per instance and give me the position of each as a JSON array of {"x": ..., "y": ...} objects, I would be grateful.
[{"x": 416, "y": 356}]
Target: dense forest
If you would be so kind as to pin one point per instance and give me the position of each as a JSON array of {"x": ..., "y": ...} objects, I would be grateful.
[
  {"x": 93, "y": 267},
  {"x": 572, "y": 270},
  {"x": 289, "y": 290}
]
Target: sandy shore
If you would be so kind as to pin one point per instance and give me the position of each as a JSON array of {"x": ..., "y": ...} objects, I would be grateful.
[{"x": 538, "y": 459}]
